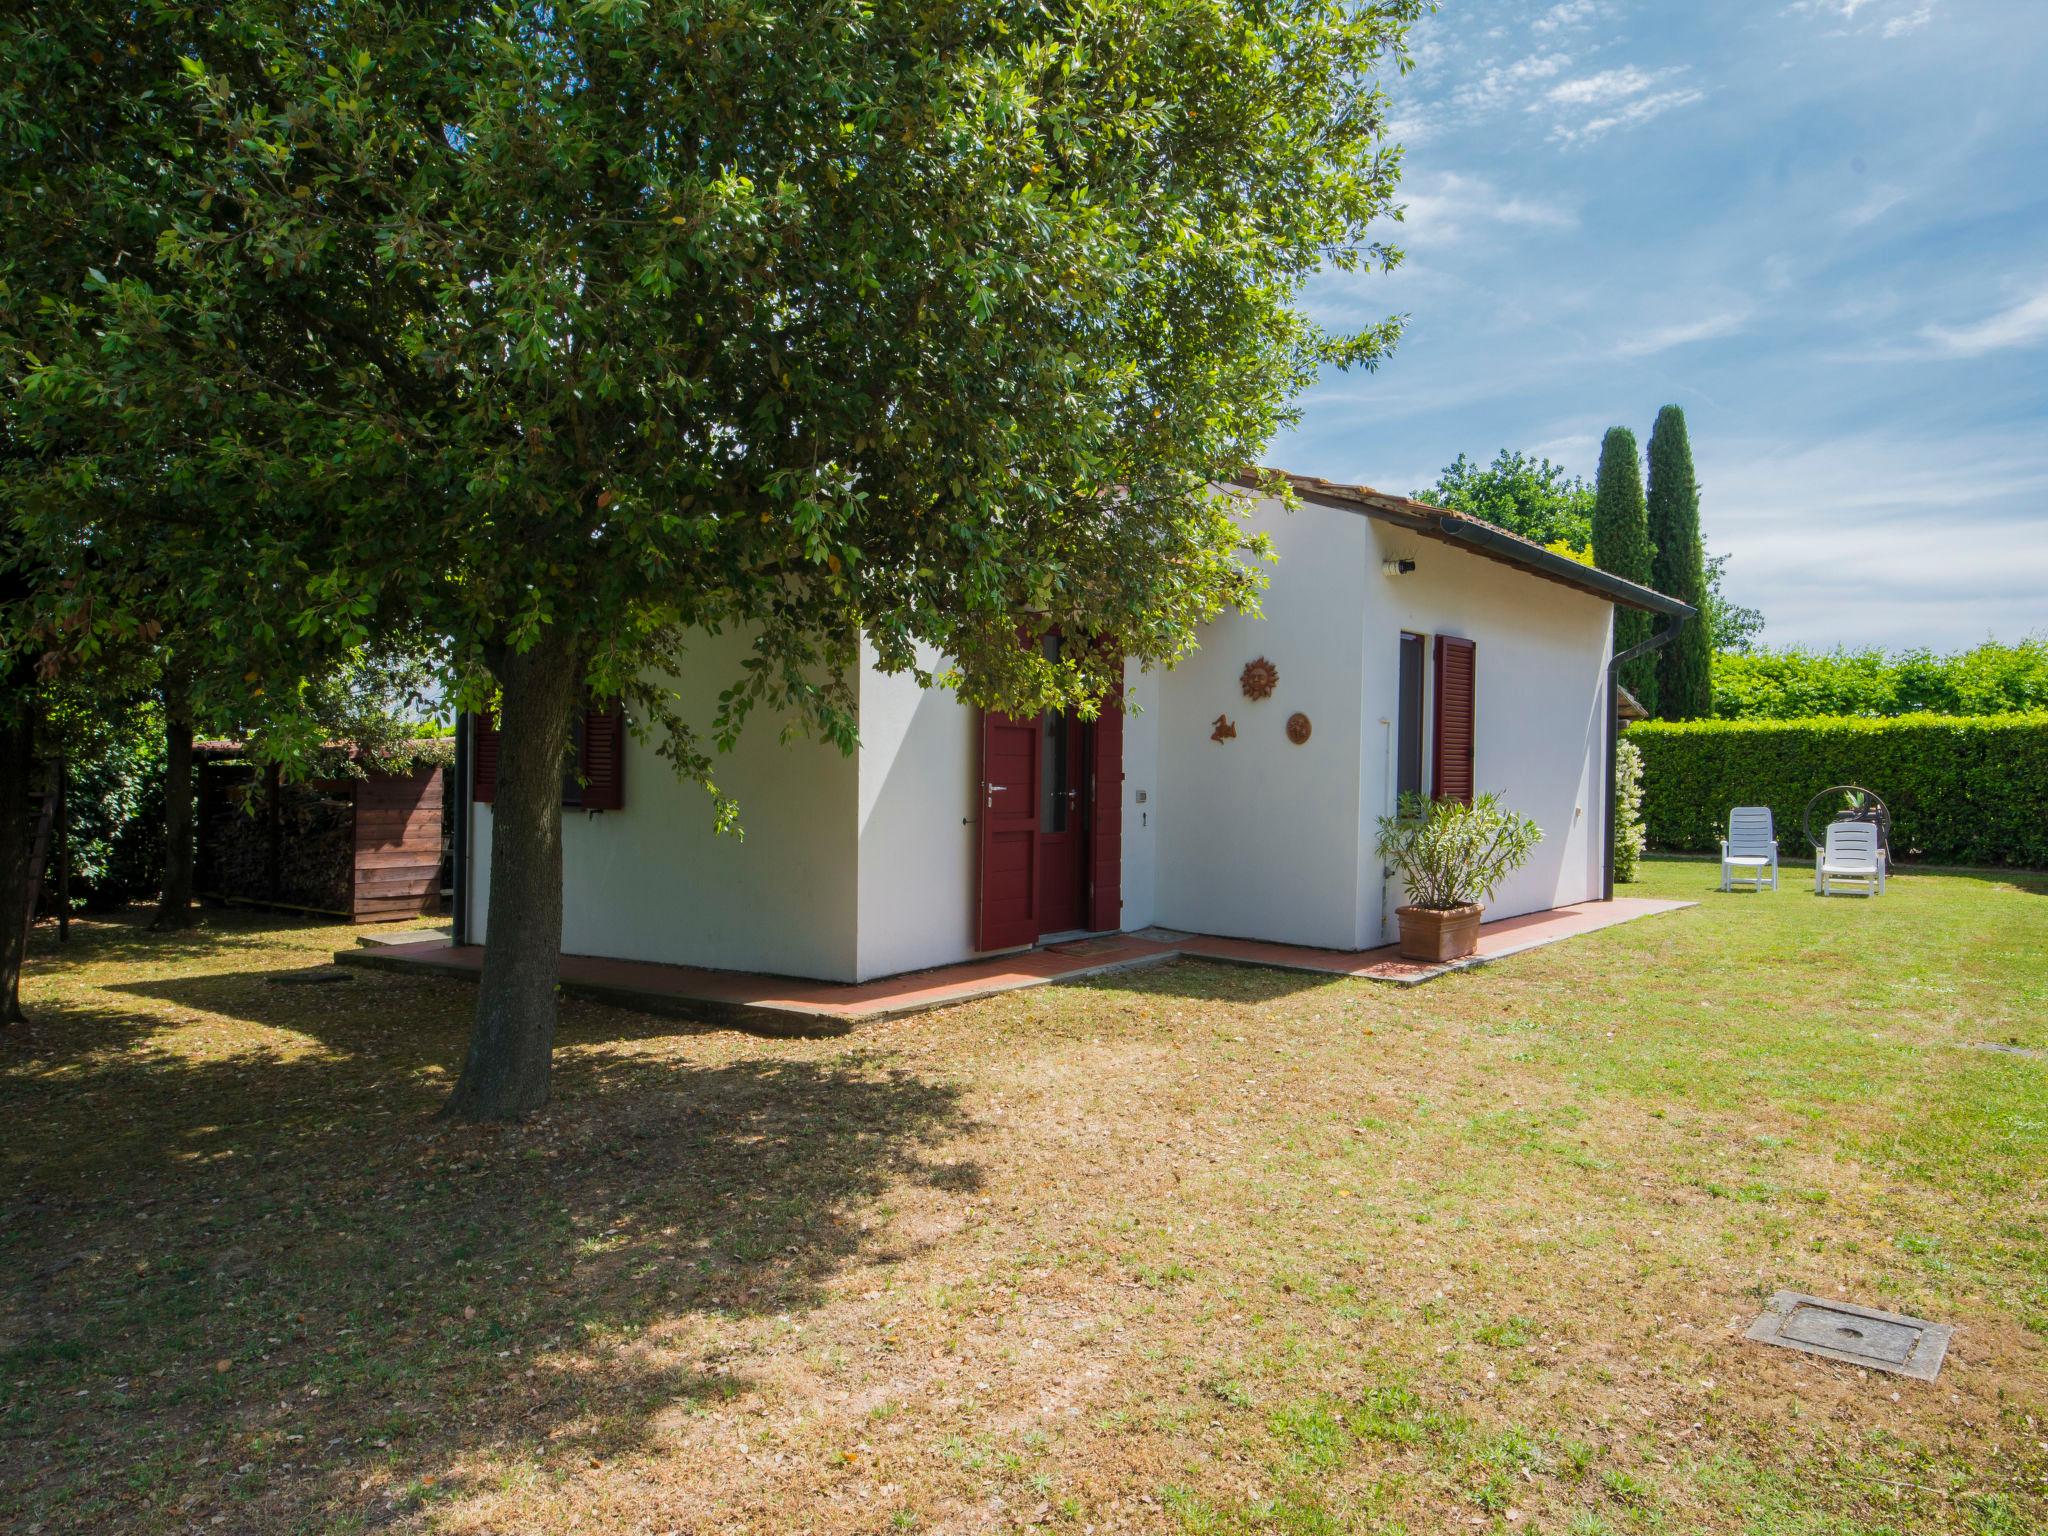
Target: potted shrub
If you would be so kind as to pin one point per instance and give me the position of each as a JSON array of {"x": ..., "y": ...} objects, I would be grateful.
[{"x": 1450, "y": 857}]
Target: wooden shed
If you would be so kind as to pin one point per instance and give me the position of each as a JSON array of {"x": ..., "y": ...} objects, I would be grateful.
[{"x": 369, "y": 848}]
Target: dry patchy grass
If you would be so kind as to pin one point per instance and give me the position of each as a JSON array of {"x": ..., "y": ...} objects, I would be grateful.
[{"x": 1197, "y": 1249}]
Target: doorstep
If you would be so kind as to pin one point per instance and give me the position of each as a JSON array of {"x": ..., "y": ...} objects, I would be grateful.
[
  {"x": 1497, "y": 940},
  {"x": 782, "y": 1005}
]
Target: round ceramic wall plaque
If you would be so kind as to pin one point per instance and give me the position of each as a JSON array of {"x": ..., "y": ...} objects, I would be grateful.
[{"x": 1298, "y": 728}]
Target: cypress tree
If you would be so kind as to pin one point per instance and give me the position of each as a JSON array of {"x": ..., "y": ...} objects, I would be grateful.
[
  {"x": 1621, "y": 546},
  {"x": 1678, "y": 567}
]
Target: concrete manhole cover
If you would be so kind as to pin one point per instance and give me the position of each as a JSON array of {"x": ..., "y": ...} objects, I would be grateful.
[{"x": 1840, "y": 1330}]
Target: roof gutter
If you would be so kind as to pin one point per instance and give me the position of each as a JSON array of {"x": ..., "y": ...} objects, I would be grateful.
[
  {"x": 1658, "y": 641},
  {"x": 1494, "y": 541},
  {"x": 1447, "y": 526}
]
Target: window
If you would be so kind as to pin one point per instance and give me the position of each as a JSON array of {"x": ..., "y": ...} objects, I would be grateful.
[
  {"x": 593, "y": 763},
  {"x": 1408, "y": 728},
  {"x": 1053, "y": 787},
  {"x": 572, "y": 765}
]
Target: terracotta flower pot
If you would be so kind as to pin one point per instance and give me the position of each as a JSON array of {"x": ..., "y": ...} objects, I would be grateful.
[{"x": 1438, "y": 933}]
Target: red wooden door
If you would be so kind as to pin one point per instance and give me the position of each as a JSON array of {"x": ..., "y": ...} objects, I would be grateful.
[{"x": 1008, "y": 823}]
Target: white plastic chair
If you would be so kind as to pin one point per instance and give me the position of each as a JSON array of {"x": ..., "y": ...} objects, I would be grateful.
[
  {"x": 1749, "y": 853},
  {"x": 1851, "y": 859}
]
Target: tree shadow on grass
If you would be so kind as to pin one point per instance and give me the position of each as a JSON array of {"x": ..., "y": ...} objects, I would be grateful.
[
  {"x": 214, "y": 931},
  {"x": 256, "y": 1282}
]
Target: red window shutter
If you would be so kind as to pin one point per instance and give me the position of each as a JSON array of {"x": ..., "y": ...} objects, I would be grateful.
[
  {"x": 1106, "y": 840},
  {"x": 483, "y": 759},
  {"x": 1455, "y": 670},
  {"x": 604, "y": 759}
]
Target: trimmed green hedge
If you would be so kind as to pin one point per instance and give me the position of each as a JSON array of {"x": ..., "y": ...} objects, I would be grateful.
[{"x": 1961, "y": 789}]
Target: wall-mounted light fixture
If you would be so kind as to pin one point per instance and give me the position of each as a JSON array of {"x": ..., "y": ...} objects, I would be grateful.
[{"x": 1397, "y": 567}]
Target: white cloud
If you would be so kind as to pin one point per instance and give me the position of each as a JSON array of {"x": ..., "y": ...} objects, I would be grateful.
[
  {"x": 1909, "y": 21},
  {"x": 1449, "y": 207},
  {"x": 1899, "y": 17},
  {"x": 1664, "y": 338},
  {"x": 1571, "y": 13},
  {"x": 1499, "y": 84},
  {"x": 1618, "y": 98},
  {"x": 1880, "y": 201},
  {"x": 1608, "y": 85},
  {"x": 1637, "y": 112},
  {"x": 1830, "y": 537},
  {"x": 1845, "y": 9},
  {"x": 2024, "y": 324}
]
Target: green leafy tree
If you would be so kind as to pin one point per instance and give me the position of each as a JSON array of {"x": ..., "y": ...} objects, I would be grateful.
[
  {"x": 1621, "y": 546},
  {"x": 1685, "y": 689},
  {"x": 586, "y": 329},
  {"x": 1730, "y": 626},
  {"x": 1523, "y": 494}
]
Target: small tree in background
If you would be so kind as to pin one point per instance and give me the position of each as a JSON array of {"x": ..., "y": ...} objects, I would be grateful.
[
  {"x": 1621, "y": 547},
  {"x": 1521, "y": 493},
  {"x": 1685, "y": 687},
  {"x": 1730, "y": 626}
]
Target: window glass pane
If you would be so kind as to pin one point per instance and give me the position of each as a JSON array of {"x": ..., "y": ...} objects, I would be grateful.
[
  {"x": 1052, "y": 772},
  {"x": 1408, "y": 744},
  {"x": 572, "y": 763}
]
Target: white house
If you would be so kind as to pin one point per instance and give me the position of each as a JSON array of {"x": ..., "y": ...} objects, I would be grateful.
[{"x": 1412, "y": 647}]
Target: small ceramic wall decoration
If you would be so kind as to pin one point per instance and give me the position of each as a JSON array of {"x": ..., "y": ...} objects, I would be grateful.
[
  {"x": 1259, "y": 679},
  {"x": 1298, "y": 728},
  {"x": 1224, "y": 729}
]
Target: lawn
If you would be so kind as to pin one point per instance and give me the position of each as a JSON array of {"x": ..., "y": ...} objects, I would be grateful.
[{"x": 1196, "y": 1249}]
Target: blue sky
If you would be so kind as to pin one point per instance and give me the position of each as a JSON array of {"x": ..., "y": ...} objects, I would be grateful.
[{"x": 1820, "y": 226}]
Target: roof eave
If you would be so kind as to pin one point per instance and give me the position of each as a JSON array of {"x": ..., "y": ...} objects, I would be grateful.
[{"x": 1484, "y": 539}]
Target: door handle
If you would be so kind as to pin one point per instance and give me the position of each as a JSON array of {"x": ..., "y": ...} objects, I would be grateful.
[{"x": 992, "y": 788}]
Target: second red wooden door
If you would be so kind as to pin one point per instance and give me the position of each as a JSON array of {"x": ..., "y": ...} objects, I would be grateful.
[{"x": 1050, "y": 827}]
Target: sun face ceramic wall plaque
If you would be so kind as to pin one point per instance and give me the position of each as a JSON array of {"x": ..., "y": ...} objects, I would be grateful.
[
  {"x": 1298, "y": 728},
  {"x": 1259, "y": 679}
]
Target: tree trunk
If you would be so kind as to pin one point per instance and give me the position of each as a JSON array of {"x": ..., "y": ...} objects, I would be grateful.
[
  {"x": 506, "y": 1073},
  {"x": 175, "y": 910},
  {"x": 17, "y": 784}
]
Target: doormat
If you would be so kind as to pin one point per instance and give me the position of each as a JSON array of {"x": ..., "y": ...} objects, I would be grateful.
[
  {"x": 1841, "y": 1330},
  {"x": 1084, "y": 948}
]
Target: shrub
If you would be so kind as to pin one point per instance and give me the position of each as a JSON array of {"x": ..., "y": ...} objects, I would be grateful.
[
  {"x": 1628, "y": 810},
  {"x": 1961, "y": 789},
  {"x": 1449, "y": 854},
  {"x": 1794, "y": 684}
]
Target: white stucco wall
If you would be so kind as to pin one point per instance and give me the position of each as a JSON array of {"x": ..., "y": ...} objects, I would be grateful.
[
  {"x": 920, "y": 766},
  {"x": 1538, "y": 722},
  {"x": 920, "y": 775},
  {"x": 865, "y": 866},
  {"x": 1141, "y": 777},
  {"x": 1257, "y": 836},
  {"x": 654, "y": 881}
]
